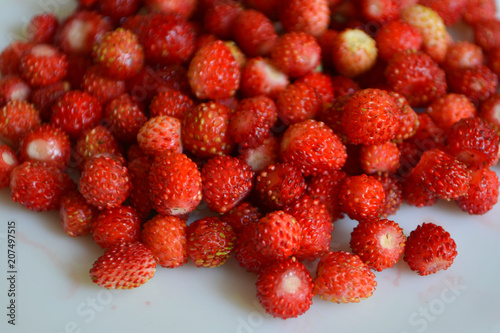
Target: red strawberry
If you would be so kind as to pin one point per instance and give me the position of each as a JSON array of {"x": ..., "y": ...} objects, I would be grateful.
[
  {"x": 125, "y": 118},
  {"x": 429, "y": 248},
  {"x": 39, "y": 186},
  {"x": 344, "y": 86},
  {"x": 298, "y": 102},
  {"x": 379, "y": 243},
  {"x": 280, "y": 185},
  {"x": 166, "y": 237},
  {"x": 285, "y": 289},
  {"x": 76, "y": 214},
  {"x": 46, "y": 143},
  {"x": 226, "y": 181},
  {"x": 170, "y": 102},
  {"x": 159, "y": 134},
  {"x": 103, "y": 87},
  {"x": 124, "y": 266},
  {"x": 104, "y": 182},
  {"x": 254, "y": 32},
  {"x": 13, "y": 88},
  {"x": 312, "y": 147},
  {"x": 482, "y": 194},
  {"x": 362, "y": 197},
  {"x": 450, "y": 11},
  {"x": 76, "y": 111},
  {"x": 312, "y": 17},
  {"x": 182, "y": 7},
  {"x": 331, "y": 115},
  {"x": 174, "y": 184},
  {"x": 241, "y": 215},
  {"x": 260, "y": 77},
  {"x": 487, "y": 34},
  {"x": 210, "y": 242},
  {"x": 380, "y": 11},
  {"x": 323, "y": 84},
  {"x": 138, "y": 170},
  {"x": 245, "y": 252},
  {"x": 261, "y": 157},
  {"x": 8, "y": 161},
  {"x": 116, "y": 225},
  {"x": 409, "y": 122},
  {"x": 296, "y": 53},
  {"x": 477, "y": 83},
  {"x": 353, "y": 52},
  {"x": 214, "y": 72},
  {"x": 325, "y": 187},
  {"x": 342, "y": 277},
  {"x": 393, "y": 189},
  {"x": 463, "y": 54},
  {"x": 16, "y": 119},
  {"x": 93, "y": 142},
  {"x": 220, "y": 16},
  {"x": 477, "y": 11},
  {"x": 416, "y": 194},
  {"x": 42, "y": 65},
  {"x": 43, "y": 98},
  {"x": 378, "y": 158},
  {"x": 395, "y": 37},
  {"x": 277, "y": 235},
  {"x": 42, "y": 28},
  {"x": 205, "y": 130},
  {"x": 489, "y": 111},
  {"x": 119, "y": 9},
  {"x": 10, "y": 57}
]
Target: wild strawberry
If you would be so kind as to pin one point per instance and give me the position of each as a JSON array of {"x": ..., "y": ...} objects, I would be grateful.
[
  {"x": 489, "y": 111},
  {"x": 285, "y": 289},
  {"x": 323, "y": 84},
  {"x": 8, "y": 161},
  {"x": 449, "y": 109},
  {"x": 124, "y": 118},
  {"x": 210, "y": 242},
  {"x": 43, "y": 98},
  {"x": 395, "y": 37},
  {"x": 431, "y": 27},
  {"x": 477, "y": 11},
  {"x": 46, "y": 143},
  {"x": 354, "y": 52},
  {"x": 226, "y": 181},
  {"x": 42, "y": 65},
  {"x": 449, "y": 10},
  {"x": 280, "y": 185},
  {"x": 416, "y": 194},
  {"x": 260, "y": 77},
  {"x": 166, "y": 237},
  {"x": 138, "y": 170},
  {"x": 170, "y": 102},
  {"x": 312, "y": 17},
  {"x": 344, "y": 86},
  {"x": 159, "y": 134},
  {"x": 316, "y": 224},
  {"x": 342, "y": 277},
  {"x": 104, "y": 182},
  {"x": 298, "y": 102},
  {"x": 10, "y": 57},
  {"x": 103, "y": 87},
  {"x": 124, "y": 266},
  {"x": 408, "y": 122},
  {"x": 241, "y": 215},
  {"x": 13, "y": 88},
  {"x": 463, "y": 54},
  {"x": 205, "y": 130},
  {"x": 245, "y": 252},
  {"x": 79, "y": 32},
  {"x": 312, "y": 147},
  {"x": 75, "y": 214},
  {"x": 116, "y": 225},
  {"x": 277, "y": 235},
  {"x": 182, "y": 7},
  {"x": 220, "y": 16},
  {"x": 325, "y": 187},
  {"x": 428, "y": 135},
  {"x": 362, "y": 197},
  {"x": 305, "y": 57},
  {"x": 93, "y": 142},
  {"x": 476, "y": 83},
  {"x": 119, "y": 54},
  {"x": 370, "y": 116},
  {"x": 42, "y": 28},
  {"x": 254, "y": 32},
  {"x": 380, "y": 11},
  {"x": 382, "y": 157},
  {"x": 174, "y": 184},
  {"x": 39, "y": 186},
  {"x": 16, "y": 119},
  {"x": 262, "y": 156},
  {"x": 482, "y": 194},
  {"x": 118, "y": 9},
  {"x": 393, "y": 189},
  {"x": 416, "y": 76},
  {"x": 429, "y": 248}
]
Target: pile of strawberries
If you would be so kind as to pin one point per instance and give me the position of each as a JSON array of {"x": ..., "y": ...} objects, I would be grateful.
[{"x": 282, "y": 116}]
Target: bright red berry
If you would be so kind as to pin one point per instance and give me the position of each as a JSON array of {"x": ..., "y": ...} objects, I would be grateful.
[
  {"x": 159, "y": 134},
  {"x": 482, "y": 194},
  {"x": 76, "y": 214},
  {"x": 260, "y": 77},
  {"x": 312, "y": 17},
  {"x": 254, "y": 32},
  {"x": 362, "y": 197},
  {"x": 298, "y": 102},
  {"x": 124, "y": 118},
  {"x": 42, "y": 28},
  {"x": 8, "y": 161},
  {"x": 17, "y": 118},
  {"x": 395, "y": 37}
]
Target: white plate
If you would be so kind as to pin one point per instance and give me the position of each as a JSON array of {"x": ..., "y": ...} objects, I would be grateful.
[{"x": 54, "y": 292}]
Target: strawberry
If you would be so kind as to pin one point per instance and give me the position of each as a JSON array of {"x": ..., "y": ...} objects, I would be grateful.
[
  {"x": 489, "y": 111},
  {"x": 408, "y": 121},
  {"x": 383, "y": 157},
  {"x": 13, "y": 88},
  {"x": 395, "y": 37},
  {"x": 431, "y": 27},
  {"x": 463, "y": 54},
  {"x": 476, "y": 83},
  {"x": 8, "y": 161},
  {"x": 370, "y": 116},
  {"x": 46, "y": 143},
  {"x": 241, "y": 215},
  {"x": 214, "y": 72},
  {"x": 379, "y": 243},
  {"x": 174, "y": 184},
  {"x": 226, "y": 181},
  {"x": 124, "y": 266},
  {"x": 362, "y": 197},
  {"x": 138, "y": 170},
  {"x": 277, "y": 235},
  {"x": 245, "y": 252},
  {"x": 482, "y": 194},
  {"x": 76, "y": 215},
  {"x": 279, "y": 185},
  {"x": 416, "y": 76},
  {"x": 305, "y": 57},
  {"x": 262, "y": 156},
  {"x": 79, "y": 32},
  {"x": 181, "y": 7},
  {"x": 477, "y": 11},
  {"x": 323, "y": 84},
  {"x": 353, "y": 52},
  {"x": 285, "y": 289},
  {"x": 159, "y": 134},
  {"x": 42, "y": 65},
  {"x": 312, "y": 147},
  {"x": 325, "y": 187},
  {"x": 118, "y": 9},
  {"x": 93, "y": 142},
  {"x": 116, "y": 225},
  {"x": 205, "y": 130},
  {"x": 42, "y": 28},
  {"x": 104, "y": 182},
  {"x": 312, "y": 17},
  {"x": 254, "y": 33},
  {"x": 170, "y": 102},
  {"x": 298, "y": 102},
  {"x": 393, "y": 189},
  {"x": 250, "y": 125},
  {"x": 119, "y": 54},
  {"x": 10, "y": 57},
  {"x": 220, "y": 16},
  {"x": 260, "y": 77},
  {"x": 124, "y": 118},
  {"x": 416, "y": 194},
  {"x": 43, "y": 98},
  {"x": 210, "y": 242},
  {"x": 473, "y": 142},
  {"x": 429, "y": 248},
  {"x": 380, "y": 11},
  {"x": 342, "y": 277},
  {"x": 344, "y": 86},
  {"x": 316, "y": 224},
  {"x": 103, "y": 87},
  {"x": 17, "y": 118},
  {"x": 450, "y": 11},
  {"x": 449, "y": 109},
  {"x": 39, "y": 186}
]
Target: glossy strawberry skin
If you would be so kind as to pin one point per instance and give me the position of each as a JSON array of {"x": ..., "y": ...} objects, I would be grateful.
[
  {"x": 76, "y": 214},
  {"x": 42, "y": 65},
  {"x": 482, "y": 195},
  {"x": 116, "y": 225},
  {"x": 17, "y": 118}
]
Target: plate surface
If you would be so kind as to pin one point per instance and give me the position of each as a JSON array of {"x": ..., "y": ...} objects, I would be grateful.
[{"x": 54, "y": 292}]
